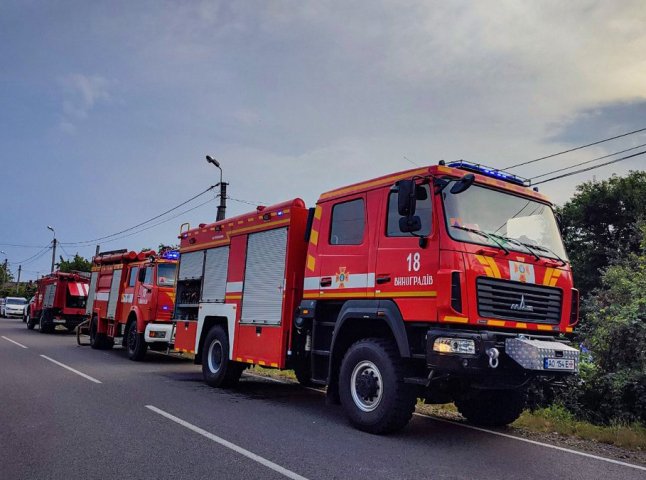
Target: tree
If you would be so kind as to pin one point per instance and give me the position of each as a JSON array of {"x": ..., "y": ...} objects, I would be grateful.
[
  {"x": 601, "y": 223},
  {"x": 614, "y": 376},
  {"x": 78, "y": 263}
]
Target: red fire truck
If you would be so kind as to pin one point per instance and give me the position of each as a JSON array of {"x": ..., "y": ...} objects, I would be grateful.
[
  {"x": 447, "y": 283},
  {"x": 59, "y": 300},
  {"x": 128, "y": 292}
]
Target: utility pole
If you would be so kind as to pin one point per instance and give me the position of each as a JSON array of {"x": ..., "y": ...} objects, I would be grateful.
[
  {"x": 5, "y": 273},
  {"x": 223, "y": 190},
  {"x": 53, "y": 254},
  {"x": 49, "y": 227},
  {"x": 18, "y": 281}
]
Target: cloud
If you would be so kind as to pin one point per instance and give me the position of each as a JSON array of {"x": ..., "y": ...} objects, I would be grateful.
[{"x": 81, "y": 93}]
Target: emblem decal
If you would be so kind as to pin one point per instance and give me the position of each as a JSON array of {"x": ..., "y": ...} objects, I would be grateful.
[
  {"x": 342, "y": 277},
  {"x": 521, "y": 272}
]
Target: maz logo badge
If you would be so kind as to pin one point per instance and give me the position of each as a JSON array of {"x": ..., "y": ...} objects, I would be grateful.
[{"x": 522, "y": 305}]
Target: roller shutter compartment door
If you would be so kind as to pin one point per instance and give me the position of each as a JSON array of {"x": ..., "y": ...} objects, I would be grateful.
[
  {"x": 190, "y": 265},
  {"x": 114, "y": 293},
  {"x": 90, "y": 298},
  {"x": 50, "y": 292},
  {"x": 216, "y": 265},
  {"x": 264, "y": 278}
]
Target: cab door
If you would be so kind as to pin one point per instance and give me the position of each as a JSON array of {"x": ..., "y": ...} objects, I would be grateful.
[
  {"x": 343, "y": 249},
  {"x": 144, "y": 291},
  {"x": 405, "y": 271}
]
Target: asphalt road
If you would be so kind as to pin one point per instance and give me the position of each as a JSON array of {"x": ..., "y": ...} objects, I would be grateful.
[{"x": 156, "y": 419}]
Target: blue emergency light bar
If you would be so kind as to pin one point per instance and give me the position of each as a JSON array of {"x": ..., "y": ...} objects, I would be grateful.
[
  {"x": 489, "y": 172},
  {"x": 170, "y": 255}
]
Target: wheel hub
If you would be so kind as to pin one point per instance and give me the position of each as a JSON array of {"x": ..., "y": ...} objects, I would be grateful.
[{"x": 366, "y": 386}]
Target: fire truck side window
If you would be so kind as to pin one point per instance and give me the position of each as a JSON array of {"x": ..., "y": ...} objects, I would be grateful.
[
  {"x": 348, "y": 223},
  {"x": 133, "y": 276},
  {"x": 423, "y": 210}
]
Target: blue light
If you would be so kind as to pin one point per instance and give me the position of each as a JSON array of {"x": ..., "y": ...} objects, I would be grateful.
[
  {"x": 279, "y": 213},
  {"x": 489, "y": 172},
  {"x": 165, "y": 307},
  {"x": 170, "y": 255}
]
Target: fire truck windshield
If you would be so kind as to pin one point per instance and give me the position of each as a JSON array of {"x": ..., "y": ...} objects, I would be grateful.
[
  {"x": 166, "y": 274},
  {"x": 502, "y": 220}
]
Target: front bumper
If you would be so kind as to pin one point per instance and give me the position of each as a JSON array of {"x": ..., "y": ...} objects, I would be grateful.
[
  {"x": 517, "y": 354},
  {"x": 160, "y": 333},
  {"x": 14, "y": 313}
]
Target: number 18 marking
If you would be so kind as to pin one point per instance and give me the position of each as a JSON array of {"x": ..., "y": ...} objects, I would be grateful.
[{"x": 413, "y": 262}]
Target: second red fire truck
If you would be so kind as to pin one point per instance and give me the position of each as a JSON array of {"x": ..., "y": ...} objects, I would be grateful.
[
  {"x": 447, "y": 283},
  {"x": 128, "y": 292}
]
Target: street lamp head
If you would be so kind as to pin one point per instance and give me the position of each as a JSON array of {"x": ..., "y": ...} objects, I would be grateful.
[
  {"x": 49, "y": 227},
  {"x": 212, "y": 160}
]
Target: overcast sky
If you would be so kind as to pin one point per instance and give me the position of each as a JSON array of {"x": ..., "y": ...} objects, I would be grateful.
[{"x": 108, "y": 108}]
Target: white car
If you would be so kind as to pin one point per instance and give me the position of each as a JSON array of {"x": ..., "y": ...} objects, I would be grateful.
[{"x": 14, "y": 306}]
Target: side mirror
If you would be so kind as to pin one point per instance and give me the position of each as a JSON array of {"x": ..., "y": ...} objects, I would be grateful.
[
  {"x": 463, "y": 184},
  {"x": 407, "y": 197},
  {"x": 141, "y": 275},
  {"x": 410, "y": 224}
]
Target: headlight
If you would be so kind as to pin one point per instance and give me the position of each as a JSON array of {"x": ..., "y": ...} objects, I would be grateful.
[{"x": 454, "y": 345}]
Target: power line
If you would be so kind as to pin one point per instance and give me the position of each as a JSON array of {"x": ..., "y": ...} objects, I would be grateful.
[
  {"x": 591, "y": 168},
  {"x": 248, "y": 202},
  {"x": 588, "y": 161},
  {"x": 84, "y": 242},
  {"x": 574, "y": 149},
  {"x": 21, "y": 245},
  {"x": 33, "y": 258}
]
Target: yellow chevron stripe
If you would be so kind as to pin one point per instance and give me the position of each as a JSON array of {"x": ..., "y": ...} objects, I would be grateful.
[
  {"x": 314, "y": 237},
  {"x": 311, "y": 263},
  {"x": 548, "y": 275},
  {"x": 449, "y": 318},
  {"x": 494, "y": 267}
]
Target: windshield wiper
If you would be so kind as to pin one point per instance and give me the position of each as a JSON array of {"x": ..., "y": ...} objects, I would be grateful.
[
  {"x": 533, "y": 248},
  {"x": 484, "y": 234}
]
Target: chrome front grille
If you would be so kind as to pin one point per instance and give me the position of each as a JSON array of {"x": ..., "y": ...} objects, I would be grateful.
[{"x": 521, "y": 302}]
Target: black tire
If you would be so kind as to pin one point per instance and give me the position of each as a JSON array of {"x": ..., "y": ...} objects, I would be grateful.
[
  {"x": 135, "y": 343},
  {"x": 45, "y": 323},
  {"x": 30, "y": 323},
  {"x": 99, "y": 341},
  {"x": 303, "y": 375},
  {"x": 372, "y": 389},
  {"x": 492, "y": 408},
  {"x": 217, "y": 369}
]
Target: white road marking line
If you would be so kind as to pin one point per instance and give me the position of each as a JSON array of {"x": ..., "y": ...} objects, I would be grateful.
[
  {"x": 534, "y": 442},
  {"x": 13, "y": 341},
  {"x": 500, "y": 434},
  {"x": 91, "y": 379},
  {"x": 227, "y": 444}
]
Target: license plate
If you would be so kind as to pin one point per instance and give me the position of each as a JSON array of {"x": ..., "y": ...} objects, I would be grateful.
[{"x": 558, "y": 364}]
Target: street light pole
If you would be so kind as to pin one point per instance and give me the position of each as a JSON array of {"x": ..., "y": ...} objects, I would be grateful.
[
  {"x": 223, "y": 190},
  {"x": 49, "y": 227}
]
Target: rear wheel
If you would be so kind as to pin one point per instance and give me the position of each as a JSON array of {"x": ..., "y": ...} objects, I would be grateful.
[
  {"x": 492, "y": 408},
  {"x": 135, "y": 343},
  {"x": 372, "y": 388},
  {"x": 217, "y": 369},
  {"x": 99, "y": 341},
  {"x": 46, "y": 324}
]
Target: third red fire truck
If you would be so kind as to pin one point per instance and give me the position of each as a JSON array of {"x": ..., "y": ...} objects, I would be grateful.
[
  {"x": 128, "y": 292},
  {"x": 447, "y": 283},
  {"x": 59, "y": 300}
]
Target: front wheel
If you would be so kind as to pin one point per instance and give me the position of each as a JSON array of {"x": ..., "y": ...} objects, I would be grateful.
[
  {"x": 372, "y": 388},
  {"x": 492, "y": 408},
  {"x": 30, "y": 323},
  {"x": 217, "y": 369},
  {"x": 135, "y": 343}
]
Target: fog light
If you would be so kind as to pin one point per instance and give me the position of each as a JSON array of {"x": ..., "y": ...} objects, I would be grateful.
[{"x": 454, "y": 345}]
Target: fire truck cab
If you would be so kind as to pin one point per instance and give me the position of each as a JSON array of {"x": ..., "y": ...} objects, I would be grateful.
[
  {"x": 128, "y": 292},
  {"x": 446, "y": 283},
  {"x": 60, "y": 299}
]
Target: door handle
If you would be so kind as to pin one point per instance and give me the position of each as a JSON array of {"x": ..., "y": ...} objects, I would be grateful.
[
  {"x": 326, "y": 281},
  {"x": 383, "y": 279}
]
